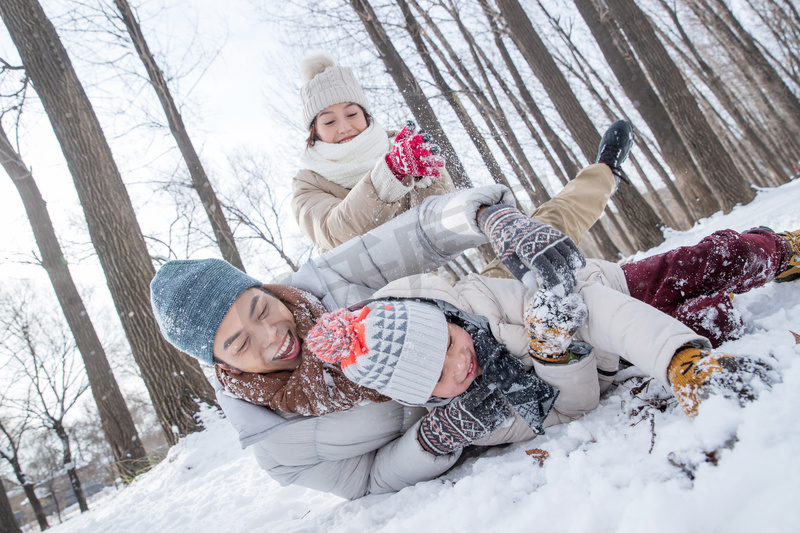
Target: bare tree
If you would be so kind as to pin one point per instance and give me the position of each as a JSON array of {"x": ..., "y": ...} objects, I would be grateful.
[
  {"x": 44, "y": 351},
  {"x": 728, "y": 29},
  {"x": 12, "y": 433},
  {"x": 768, "y": 159},
  {"x": 174, "y": 381},
  {"x": 117, "y": 423},
  {"x": 46, "y": 465},
  {"x": 200, "y": 182},
  {"x": 259, "y": 210},
  {"x": 482, "y": 98},
  {"x": 637, "y": 87},
  {"x": 410, "y": 89}
]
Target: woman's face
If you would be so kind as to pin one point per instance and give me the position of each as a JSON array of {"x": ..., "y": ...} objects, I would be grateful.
[
  {"x": 340, "y": 123},
  {"x": 258, "y": 334},
  {"x": 460, "y": 364}
]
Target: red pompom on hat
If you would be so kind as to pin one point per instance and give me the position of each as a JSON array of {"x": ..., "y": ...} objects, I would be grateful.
[{"x": 338, "y": 337}]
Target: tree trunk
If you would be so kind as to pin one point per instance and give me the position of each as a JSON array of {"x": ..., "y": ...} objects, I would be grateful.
[
  {"x": 116, "y": 420},
  {"x": 174, "y": 381},
  {"x": 690, "y": 179},
  {"x": 608, "y": 249},
  {"x": 69, "y": 466},
  {"x": 708, "y": 151},
  {"x": 570, "y": 166},
  {"x": 450, "y": 96},
  {"x": 763, "y": 84},
  {"x": 768, "y": 77},
  {"x": 27, "y": 486},
  {"x": 768, "y": 158},
  {"x": 640, "y": 219},
  {"x": 415, "y": 99},
  {"x": 491, "y": 110},
  {"x": 8, "y": 523},
  {"x": 200, "y": 182}
]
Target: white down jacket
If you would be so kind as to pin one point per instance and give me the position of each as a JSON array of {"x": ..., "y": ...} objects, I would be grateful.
[{"x": 371, "y": 448}]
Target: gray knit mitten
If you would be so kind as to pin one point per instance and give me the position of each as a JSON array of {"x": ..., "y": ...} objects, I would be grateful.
[
  {"x": 526, "y": 246},
  {"x": 472, "y": 415}
]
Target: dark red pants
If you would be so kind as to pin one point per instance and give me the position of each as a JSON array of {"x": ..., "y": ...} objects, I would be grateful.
[{"x": 694, "y": 283}]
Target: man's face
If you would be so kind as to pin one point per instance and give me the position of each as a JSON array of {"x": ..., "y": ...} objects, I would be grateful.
[
  {"x": 258, "y": 335},
  {"x": 460, "y": 364}
]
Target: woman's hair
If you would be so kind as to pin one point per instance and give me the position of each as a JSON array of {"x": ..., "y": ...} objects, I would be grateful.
[{"x": 312, "y": 130}]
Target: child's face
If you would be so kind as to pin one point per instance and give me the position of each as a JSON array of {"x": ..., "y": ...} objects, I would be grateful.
[
  {"x": 460, "y": 364},
  {"x": 340, "y": 123}
]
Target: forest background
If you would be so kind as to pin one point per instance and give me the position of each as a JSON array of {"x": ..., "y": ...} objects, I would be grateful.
[{"x": 514, "y": 92}]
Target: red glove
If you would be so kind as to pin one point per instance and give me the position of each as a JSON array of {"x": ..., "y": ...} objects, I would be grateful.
[{"x": 412, "y": 154}]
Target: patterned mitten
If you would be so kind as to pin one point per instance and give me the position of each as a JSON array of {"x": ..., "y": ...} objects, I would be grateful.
[
  {"x": 524, "y": 245},
  {"x": 472, "y": 415},
  {"x": 696, "y": 373},
  {"x": 412, "y": 154},
  {"x": 551, "y": 322}
]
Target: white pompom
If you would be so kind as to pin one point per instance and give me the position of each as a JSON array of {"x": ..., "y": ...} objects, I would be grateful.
[{"x": 313, "y": 64}]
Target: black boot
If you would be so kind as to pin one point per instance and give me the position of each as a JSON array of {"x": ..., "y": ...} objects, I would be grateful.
[{"x": 614, "y": 148}]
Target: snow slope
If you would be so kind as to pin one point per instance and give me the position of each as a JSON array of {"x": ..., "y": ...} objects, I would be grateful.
[{"x": 625, "y": 467}]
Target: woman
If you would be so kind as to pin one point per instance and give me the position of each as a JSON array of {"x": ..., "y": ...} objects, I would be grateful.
[{"x": 356, "y": 175}]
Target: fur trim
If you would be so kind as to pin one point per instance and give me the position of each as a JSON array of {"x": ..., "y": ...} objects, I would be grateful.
[{"x": 313, "y": 64}]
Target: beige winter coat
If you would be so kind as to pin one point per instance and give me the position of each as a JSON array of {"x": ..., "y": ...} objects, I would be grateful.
[
  {"x": 618, "y": 325},
  {"x": 330, "y": 214}
]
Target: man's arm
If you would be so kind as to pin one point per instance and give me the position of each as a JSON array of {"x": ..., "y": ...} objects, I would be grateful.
[
  {"x": 352, "y": 453},
  {"x": 420, "y": 240}
]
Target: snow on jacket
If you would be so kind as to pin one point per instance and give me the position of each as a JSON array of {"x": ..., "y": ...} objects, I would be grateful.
[
  {"x": 618, "y": 326},
  {"x": 330, "y": 214},
  {"x": 371, "y": 448}
]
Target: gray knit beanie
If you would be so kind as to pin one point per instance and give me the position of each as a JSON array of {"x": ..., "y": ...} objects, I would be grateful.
[
  {"x": 191, "y": 297},
  {"x": 326, "y": 84},
  {"x": 396, "y": 347}
]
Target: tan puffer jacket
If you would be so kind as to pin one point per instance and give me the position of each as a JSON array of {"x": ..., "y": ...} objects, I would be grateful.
[
  {"x": 618, "y": 325},
  {"x": 330, "y": 215}
]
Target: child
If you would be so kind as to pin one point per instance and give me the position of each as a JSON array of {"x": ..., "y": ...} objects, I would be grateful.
[{"x": 493, "y": 323}]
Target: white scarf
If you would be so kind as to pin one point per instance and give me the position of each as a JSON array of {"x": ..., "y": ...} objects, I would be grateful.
[{"x": 345, "y": 164}]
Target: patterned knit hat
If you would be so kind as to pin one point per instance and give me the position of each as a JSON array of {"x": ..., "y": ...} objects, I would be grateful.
[
  {"x": 394, "y": 347},
  {"x": 326, "y": 84},
  {"x": 190, "y": 298}
]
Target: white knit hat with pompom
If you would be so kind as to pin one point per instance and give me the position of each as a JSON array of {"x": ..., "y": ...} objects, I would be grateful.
[
  {"x": 396, "y": 347},
  {"x": 326, "y": 84}
]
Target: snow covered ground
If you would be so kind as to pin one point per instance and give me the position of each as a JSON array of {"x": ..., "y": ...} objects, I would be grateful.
[{"x": 625, "y": 467}]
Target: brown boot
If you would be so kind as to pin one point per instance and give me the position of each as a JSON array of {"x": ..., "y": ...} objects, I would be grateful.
[
  {"x": 793, "y": 271},
  {"x": 697, "y": 373}
]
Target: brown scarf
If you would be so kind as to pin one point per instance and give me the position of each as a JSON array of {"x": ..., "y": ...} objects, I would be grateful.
[{"x": 314, "y": 387}]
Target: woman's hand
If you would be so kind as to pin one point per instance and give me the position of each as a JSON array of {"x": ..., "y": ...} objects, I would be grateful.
[{"x": 412, "y": 154}]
